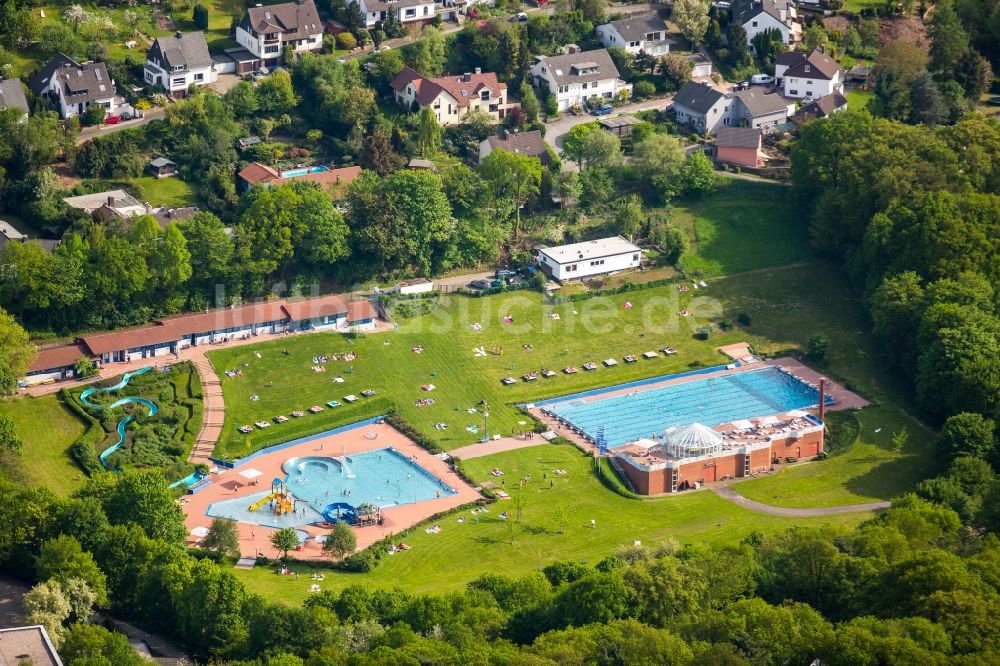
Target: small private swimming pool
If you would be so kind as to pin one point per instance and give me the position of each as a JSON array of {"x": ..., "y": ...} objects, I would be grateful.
[
  {"x": 709, "y": 401},
  {"x": 293, "y": 173}
]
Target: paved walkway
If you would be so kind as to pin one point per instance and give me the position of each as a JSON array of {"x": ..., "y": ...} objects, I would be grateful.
[
  {"x": 494, "y": 446},
  {"x": 727, "y": 493},
  {"x": 214, "y": 411}
]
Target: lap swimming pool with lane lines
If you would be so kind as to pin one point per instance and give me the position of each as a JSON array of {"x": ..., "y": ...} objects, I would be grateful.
[{"x": 710, "y": 401}]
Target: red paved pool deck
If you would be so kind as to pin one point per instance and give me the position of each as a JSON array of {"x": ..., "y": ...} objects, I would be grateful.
[
  {"x": 256, "y": 539},
  {"x": 844, "y": 399}
]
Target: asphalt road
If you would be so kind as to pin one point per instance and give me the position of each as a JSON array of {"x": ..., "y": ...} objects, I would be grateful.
[{"x": 93, "y": 132}]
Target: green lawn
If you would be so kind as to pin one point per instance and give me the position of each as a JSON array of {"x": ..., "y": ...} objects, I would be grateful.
[
  {"x": 744, "y": 226},
  {"x": 48, "y": 430},
  {"x": 170, "y": 192},
  {"x": 217, "y": 34},
  {"x": 601, "y": 329},
  {"x": 855, "y": 6},
  {"x": 871, "y": 470},
  {"x": 858, "y": 99},
  {"x": 463, "y": 551}
]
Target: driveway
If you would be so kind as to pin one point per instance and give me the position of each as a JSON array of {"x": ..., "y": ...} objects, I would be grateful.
[
  {"x": 555, "y": 131},
  {"x": 93, "y": 132}
]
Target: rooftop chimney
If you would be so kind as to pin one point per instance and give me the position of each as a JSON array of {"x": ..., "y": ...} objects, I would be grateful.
[
  {"x": 466, "y": 77},
  {"x": 479, "y": 70},
  {"x": 111, "y": 201}
]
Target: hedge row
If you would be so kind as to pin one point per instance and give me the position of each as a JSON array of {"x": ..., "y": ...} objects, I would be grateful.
[
  {"x": 84, "y": 450},
  {"x": 623, "y": 289}
]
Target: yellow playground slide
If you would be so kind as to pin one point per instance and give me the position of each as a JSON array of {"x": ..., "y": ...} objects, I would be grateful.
[{"x": 257, "y": 505}]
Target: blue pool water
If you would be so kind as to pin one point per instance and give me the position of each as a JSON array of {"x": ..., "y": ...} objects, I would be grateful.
[
  {"x": 292, "y": 173},
  {"x": 84, "y": 398},
  {"x": 189, "y": 480},
  {"x": 383, "y": 477},
  {"x": 709, "y": 401}
]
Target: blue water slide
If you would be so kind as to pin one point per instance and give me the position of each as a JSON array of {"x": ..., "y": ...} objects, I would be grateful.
[
  {"x": 84, "y": 398},
  {"x": 340, "y": 511}
]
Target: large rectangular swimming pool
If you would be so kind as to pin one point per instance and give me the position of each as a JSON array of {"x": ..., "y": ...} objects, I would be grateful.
[{"x": 710, "y": 401}]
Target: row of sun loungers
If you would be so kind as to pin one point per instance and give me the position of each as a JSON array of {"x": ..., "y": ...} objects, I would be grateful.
[
  {"x": 571, "y": 370},
  {"x": 315, "y": 409}
]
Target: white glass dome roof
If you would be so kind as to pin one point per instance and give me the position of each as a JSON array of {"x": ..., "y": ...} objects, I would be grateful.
[{"x": 693, "y": 440}]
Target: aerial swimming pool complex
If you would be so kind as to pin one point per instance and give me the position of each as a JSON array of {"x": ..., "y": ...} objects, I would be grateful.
[{"x": 627, "y": 417}]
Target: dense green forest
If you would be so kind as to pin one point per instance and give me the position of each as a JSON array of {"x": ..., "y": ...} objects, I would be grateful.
[{"x": 917, "y": 584}]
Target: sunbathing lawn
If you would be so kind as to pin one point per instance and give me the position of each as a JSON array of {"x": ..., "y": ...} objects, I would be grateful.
[
  {"x": 732, "y": 237},
  {"x": 386, "y": 363},
  {"x": 48, "y": 430},
  {"x": 463, "y": 551},
  {"x": 170, "y": 192}
]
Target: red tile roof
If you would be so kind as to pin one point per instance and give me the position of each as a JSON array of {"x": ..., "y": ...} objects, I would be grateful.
[
  {"x": 256, "y": 173},
  {"x": 58, "y": 357},
  {"x": 404, "y": 78},
  {"x": 358, "y": 310},
  {"x": 462, "y": 87},
  {"x": 315, "y": 307}
]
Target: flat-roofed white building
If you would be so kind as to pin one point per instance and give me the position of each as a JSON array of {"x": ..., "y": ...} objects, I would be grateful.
[{"x": 589, "y": 258}]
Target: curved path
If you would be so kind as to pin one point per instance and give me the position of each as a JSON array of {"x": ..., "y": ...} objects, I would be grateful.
[
  {"x": 727, "y": 493},
  {"x": 214, "y": 412}
]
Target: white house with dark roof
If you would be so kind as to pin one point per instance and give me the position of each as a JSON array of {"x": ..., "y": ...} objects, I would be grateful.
[
  {"x": 701, "y": 106},
  {"x": 814, "y": 76},
  {"x": 12, "y": 94},
  {"x": 647, "y": 33},
  {"x": 71, "y": 86},
  {"x": 707, "y": 109},
  {"x": 578, "y": 78},
  {"x": 266, "y": 31},
  {"x": 757, "y": 16},
  {"x": 582, "y": 260},
  {"x": 451, "y": 98},
  {"x": 412, "y": 12},
  {"x": 178, "y": 62}
]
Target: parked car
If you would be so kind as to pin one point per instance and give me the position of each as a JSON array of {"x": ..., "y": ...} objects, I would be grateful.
[
  {"x": 125, "y": 115},
  {"x": 993, "y": 101},
  {"x": 602, "y": 110},
  {"x": 520, "y": 17},
  {"x": 504, "y": 273},
  {"x": 761, "y": 80},
  {"x": 807, "y": 100},
  {"x": 480, "y": 284},
  {"x": 383, "y": 47},
  {"x": 527, "y": 271},
  {"x": 112, "y": 120}
]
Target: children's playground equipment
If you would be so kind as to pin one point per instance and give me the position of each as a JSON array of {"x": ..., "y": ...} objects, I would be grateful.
[{"x": 279, "y": 497}]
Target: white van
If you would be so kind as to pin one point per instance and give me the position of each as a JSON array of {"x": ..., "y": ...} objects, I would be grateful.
[{"x": 761, "y": 80}]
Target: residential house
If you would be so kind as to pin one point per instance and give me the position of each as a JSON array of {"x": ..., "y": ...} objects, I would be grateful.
[
  {"x": 420, "y": 164},
  {"x": 12, "y": 94},
  {"x": 814, "y": 76},
  {"x": 27, "y": 645},
  {"x": 108, "y": 205},
  {"x": 408, "y": 12},
  {"x": 646, "y": 33},
  {"x": 701, "y": 106},
  {"x": 167, "y": 216},
  {"x": 739, "y": 146},
  {"x": 8, "y": 234},
  {"x": 707, "y": 109},
  {"x": 582, "y": 260},
  {"x": 531, "y": 144},
  {"x": 756, "y": 109},
  {"x": 333, "y": 180},
  {"x": 821, "y": 108},
  {"x": 71, "y": 86},
  {"x": 453, "y": 97},
  {"x": 701, "y": 67},
  {"x": 757, "y": 16},
  {"x": 248, "y": 141},
  {"x": 579, "y": 78},
  {"x": 162, "y": 167},
  {"x": 266, "y": 31},
  {"x": 178, "y": 62}
]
